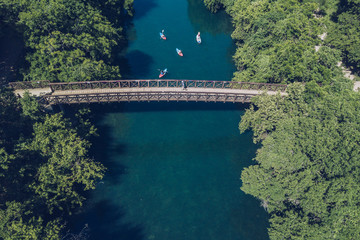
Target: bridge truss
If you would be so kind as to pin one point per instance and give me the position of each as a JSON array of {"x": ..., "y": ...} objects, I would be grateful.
[{"x": 148, "y": 90}]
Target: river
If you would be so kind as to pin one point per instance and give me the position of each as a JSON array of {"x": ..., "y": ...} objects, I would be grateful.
[{"x": 173, "y": 168}]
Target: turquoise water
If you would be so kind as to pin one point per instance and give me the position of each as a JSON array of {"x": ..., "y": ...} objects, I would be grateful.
[
  {"x": 211, "y": 60},
  {"x": 173, "y": 168}
]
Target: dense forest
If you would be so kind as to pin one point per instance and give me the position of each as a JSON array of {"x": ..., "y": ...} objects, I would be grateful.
[
  {"x": 45, "y": 167},
  {"x": 307, "y": 176},
  {"x": 278, "y": 41},
  {"x": 308, "y": 163},
  {"x": 68, "y": 40}
]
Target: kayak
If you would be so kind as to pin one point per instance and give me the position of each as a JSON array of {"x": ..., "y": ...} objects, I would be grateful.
[
  {"x": 179, "y": 52},
  {"x": 162, "y": 73},
  {"x": 198, "y": 38},
  {"x": 162, "y": 36}
]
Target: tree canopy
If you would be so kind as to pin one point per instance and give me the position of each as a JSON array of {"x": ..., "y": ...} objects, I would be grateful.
[
  {"x": 307, "y": 171},
  {"x": 307, "y": 168},
  {"x": 44, "y": 171},
  {"x": 279, "y": 41},
  {"x": 45, "y": 168},
  {"x": 68, "y": 40},
  {"x": 344, "y": 32}
]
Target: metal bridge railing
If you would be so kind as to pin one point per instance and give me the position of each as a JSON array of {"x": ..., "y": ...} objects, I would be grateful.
[
  {"x": 29, "y": 85},
  {"x": 150, "y": 83},
  {"x": 154, "y": 83},
  {"x": 146, "y": 97}
]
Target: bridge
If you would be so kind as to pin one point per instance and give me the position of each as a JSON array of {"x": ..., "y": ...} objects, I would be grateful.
[{"x": 145, "y": 90}]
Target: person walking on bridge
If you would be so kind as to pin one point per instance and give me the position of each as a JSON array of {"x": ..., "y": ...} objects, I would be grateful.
[{"x": 183, "y": 85}]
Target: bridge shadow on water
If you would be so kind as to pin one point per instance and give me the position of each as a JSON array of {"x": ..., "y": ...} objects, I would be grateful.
[
  {"x": 106, "y": 219},
  {"x": 103, "y": 108}
]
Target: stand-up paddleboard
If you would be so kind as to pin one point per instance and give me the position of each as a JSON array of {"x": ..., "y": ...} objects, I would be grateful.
[
  {"x": 198, "y": 38},
  {"x": 163, "y": 72},
  {"x": 179, "y": 52},
  {"x": 162, "y": 35}
]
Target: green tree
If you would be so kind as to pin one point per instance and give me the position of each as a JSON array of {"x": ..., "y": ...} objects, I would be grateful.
[
  {"x": 18, "y": 223},
  {"x": 344, "y": 32},
  {"x": 66, "y": 167},
  {"x": 276, "y": 40},
  {"x": 44, "y": 168},
  {"x": 31, "y": 107},
  {"x": 69, "y": 40},
  {"x": 307, "y": 172}
]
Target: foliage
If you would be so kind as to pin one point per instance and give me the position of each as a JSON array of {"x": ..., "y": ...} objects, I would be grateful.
[
  {"x": 216, "y": 5},
  {"x": 31, "y": 107},
  {"x": 44, "y": 171},
  {"x": 83, "y": 123},
  {"x": 307, "y": 175},
  {"x": 44, "y": 164},
  {"x": 213, "y": 5},
  {"x": 69, "y": 40},
  {"x": 66, "y": 168},
  {"x": 11, "y": 123},
  {"x": 344, "y": 33},
  {"x": 17, "y": 223},
  {"x": 276, "y": 39},
  {"x": 276, "y": 42}
]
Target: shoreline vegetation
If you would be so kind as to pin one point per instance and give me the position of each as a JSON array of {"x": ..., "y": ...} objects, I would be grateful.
[
  {"x": 308, "y": 166},
  {"x": 45, "y": 167},
  {"x": 68, "y": 40},
  {"x": 307, "y": 171}
]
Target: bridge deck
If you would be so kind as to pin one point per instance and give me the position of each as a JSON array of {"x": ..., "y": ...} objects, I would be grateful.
[
  {"x": 35, "y": 91},
  {"x": 162, "y": 89},
  {"x": 148, "y": 90}
]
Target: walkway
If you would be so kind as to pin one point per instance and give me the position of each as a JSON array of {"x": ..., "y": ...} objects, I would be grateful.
[{"x": 146, "y": 90}]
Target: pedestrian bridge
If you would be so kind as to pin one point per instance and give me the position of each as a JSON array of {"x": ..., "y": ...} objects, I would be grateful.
[{"x": 145, "y": 90}]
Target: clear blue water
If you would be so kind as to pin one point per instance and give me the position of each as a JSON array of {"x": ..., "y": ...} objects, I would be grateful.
[
  {"x": 211, "y": 60},
  {"x": 173, "y": 168}
]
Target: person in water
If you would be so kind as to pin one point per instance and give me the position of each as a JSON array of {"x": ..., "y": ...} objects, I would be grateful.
[{"x": 198, "y": 38}]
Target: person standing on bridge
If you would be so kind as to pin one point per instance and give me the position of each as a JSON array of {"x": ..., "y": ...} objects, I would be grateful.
[{"x": 183, "y": 85}]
